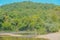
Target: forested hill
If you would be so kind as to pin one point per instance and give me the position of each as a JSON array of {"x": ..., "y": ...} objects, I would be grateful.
[{"x": 30, "y": 16}]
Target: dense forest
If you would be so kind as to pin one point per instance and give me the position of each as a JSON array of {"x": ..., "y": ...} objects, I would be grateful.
[{"x": 30, "y": 16}]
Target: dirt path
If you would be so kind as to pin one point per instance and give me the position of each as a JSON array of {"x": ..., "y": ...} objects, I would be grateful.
[
  {"x": 52, "y": 36},
  {"x": 9, "y": 34},
  {"x": 15, "y": 35}
]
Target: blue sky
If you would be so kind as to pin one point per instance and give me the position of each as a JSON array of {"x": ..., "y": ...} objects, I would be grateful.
[{"x": 4, "y": 2}]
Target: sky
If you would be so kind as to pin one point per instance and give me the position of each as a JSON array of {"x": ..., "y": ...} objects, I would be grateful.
[{"x": 4, "y": 2}]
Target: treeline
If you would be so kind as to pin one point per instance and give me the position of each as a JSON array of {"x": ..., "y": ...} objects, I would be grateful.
[{"x": 30, "y": 16}]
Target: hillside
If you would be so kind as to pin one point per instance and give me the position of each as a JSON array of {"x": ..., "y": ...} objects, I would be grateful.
[{"x": 30, "y": 16}]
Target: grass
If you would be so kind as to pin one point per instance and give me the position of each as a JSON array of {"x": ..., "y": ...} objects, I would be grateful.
[{"x": 19, "y": 38}]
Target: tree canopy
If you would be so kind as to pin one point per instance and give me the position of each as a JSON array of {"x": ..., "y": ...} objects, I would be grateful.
[{"x": 30, "y": 16}]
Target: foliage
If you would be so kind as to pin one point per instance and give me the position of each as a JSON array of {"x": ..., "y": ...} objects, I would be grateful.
[{"x": 30, "y": 16}]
